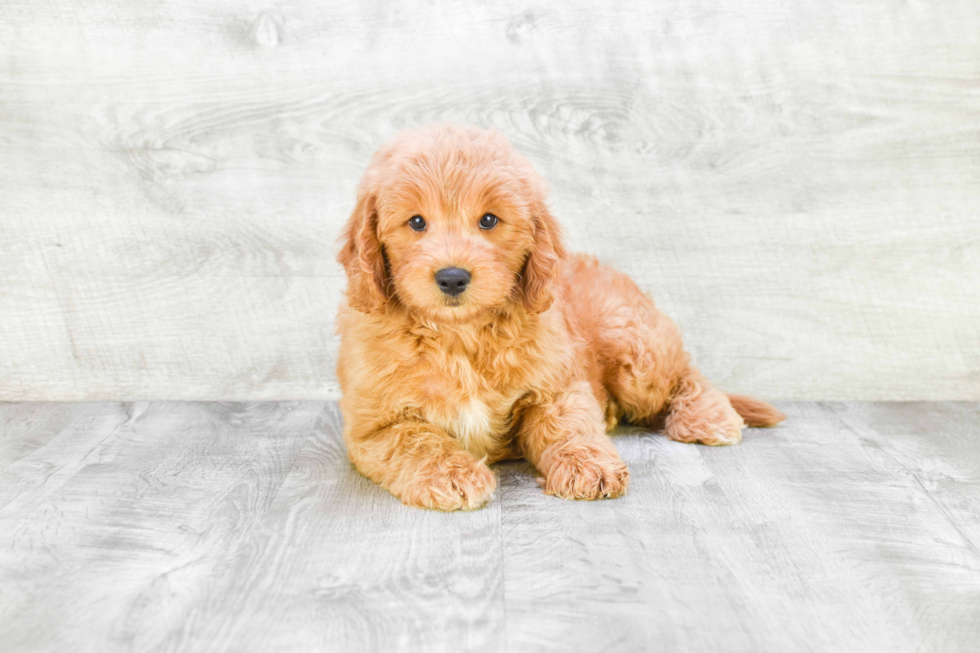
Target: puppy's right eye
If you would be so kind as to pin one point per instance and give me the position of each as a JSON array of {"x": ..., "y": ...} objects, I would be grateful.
[{"x": 417, "y": 223}]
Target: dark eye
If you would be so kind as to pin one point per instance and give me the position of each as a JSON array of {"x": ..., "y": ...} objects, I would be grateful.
[
  {"x": 488, "y": 221},
  {"x": 417, "y": 223}
]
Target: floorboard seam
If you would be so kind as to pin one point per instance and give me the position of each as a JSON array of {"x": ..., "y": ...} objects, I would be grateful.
[
  {"x": 81, "y": 459},
  {"x": 970, "y": 543}
]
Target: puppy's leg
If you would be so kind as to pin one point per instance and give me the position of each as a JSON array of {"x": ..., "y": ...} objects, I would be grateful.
[
  {"x": 423, "y": 466},
  {"x": 699, "y": 412},
  {"x": 565, "y": 439}
]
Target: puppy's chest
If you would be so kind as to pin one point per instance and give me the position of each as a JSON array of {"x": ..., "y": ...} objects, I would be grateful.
[{"x": 473, "y": 406}]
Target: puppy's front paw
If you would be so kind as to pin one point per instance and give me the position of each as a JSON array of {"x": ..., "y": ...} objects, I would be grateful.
[
  {"x": 584, "y": 470},
  {"x": 457, "y": 482}
]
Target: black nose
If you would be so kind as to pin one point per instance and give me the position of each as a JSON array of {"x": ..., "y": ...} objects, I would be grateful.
[{"x": 452, "y": 281}]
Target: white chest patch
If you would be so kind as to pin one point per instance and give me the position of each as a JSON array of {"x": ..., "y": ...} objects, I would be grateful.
[{"x": 473, "y": 425}]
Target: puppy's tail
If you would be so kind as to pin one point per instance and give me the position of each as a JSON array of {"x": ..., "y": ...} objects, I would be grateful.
[{"x": 756, "y": 412}]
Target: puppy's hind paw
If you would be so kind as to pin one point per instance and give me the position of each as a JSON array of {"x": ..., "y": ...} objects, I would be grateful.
[{"x": 584, "y": 471}]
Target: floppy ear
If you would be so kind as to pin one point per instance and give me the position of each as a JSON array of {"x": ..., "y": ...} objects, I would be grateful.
[
  {"x": 541, "y": 267},
  {"x": 363, "y": 259}
]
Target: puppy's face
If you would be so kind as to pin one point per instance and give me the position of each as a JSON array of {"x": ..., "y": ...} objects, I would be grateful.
[
  {"x": 459, "y": 222},
  {"x": 456, "y": 235}
]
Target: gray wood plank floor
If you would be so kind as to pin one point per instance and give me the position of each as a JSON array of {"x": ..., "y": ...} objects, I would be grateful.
[{"x": 242, "y": 527}]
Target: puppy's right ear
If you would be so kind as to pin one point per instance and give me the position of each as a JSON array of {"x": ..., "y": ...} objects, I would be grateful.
[
  {"x": 363, "y": 259},
  {"x": 541, "y": 268}
]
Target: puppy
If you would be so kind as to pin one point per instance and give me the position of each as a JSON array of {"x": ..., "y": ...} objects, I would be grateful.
[{"x": 470, "y": 335}]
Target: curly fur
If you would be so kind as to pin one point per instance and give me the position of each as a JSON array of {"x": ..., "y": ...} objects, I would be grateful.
[{"x": 540, "y": 356}]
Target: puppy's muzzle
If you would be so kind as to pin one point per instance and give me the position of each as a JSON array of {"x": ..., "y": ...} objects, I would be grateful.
[{"x": 452, "y": 281}]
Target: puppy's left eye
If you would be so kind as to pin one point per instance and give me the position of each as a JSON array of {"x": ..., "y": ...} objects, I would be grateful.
[{"x": 488, "y": 221}]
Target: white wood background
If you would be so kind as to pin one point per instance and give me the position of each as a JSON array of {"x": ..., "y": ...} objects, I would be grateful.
[{"x": 797, "y": 182}]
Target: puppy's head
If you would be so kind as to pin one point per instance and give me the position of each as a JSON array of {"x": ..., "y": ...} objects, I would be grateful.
[{"x": 450, "y": 223}]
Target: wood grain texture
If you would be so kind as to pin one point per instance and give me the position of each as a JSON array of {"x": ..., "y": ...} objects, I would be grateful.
[
  {"x": 188, "y": 527},
  {"x": 797, "y": 183}
]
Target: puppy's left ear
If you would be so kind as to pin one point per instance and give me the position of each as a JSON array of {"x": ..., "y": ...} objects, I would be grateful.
[
  {"x": 542, "y": 266},
  {"x": 363, "y": 259}
]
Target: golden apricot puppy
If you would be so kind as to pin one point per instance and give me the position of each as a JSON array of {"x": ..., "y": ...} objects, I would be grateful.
[{"x": 470, "y": 335}]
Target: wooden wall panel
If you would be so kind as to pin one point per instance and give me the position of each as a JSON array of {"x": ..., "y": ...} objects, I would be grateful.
[{"x": 797, "y": 183}]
